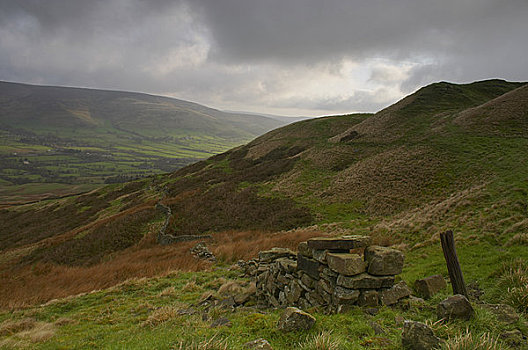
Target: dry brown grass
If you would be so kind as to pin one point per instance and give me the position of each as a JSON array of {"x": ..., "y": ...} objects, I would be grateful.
[
  {"x": 9, "y": 327},
  {"x": 43, "y": 282},
  {"x": 232, "y": 246},
  {"x": 158, "y": 316}
]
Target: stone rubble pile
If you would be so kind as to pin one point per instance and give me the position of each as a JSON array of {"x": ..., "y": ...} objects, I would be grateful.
[{"x": 329, "y": 272}]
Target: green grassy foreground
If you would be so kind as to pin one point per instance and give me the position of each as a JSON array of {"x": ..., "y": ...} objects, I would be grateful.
[{"x": 144, "y": 313}]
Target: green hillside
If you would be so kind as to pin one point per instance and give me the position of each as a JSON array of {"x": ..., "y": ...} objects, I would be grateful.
[
  {"x": 446, "y": 157},
  {"x": 54, "y": 139}
]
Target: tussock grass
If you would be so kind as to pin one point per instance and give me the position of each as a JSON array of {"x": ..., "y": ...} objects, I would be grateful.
[
  {"x": 512, "y": 284},
  {"x": 321, "y": 341},
  {"x": 209, "y": 344},
  {"x": 468, "y": 341},
  {"x": 161, "y": 315}
]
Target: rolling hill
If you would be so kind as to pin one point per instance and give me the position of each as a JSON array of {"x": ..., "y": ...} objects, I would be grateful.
[
  {"x": 61, "y": 139},
  {"x": 446, "y": 157}
]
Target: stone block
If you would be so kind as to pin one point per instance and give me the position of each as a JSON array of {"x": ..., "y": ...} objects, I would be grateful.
[
  {"x": 303, "y": 249},
  {"x": 294, "y": 292},
  {"x": 309, "y": 266},
  {"x": 383, "y": 261},
  {"x": 339, "y": 243},
  {"x": 393, "y": 295},
  {"x": 419, "y": 336},
  {"x": 345, "y": 296},
  {"x": 456, "y": 306},
  {"x": 345, "y": 263},
  {"x": 368, "y": 298},
  {"x": 365, "y": 281},
  {"x": 294, "y": 319},
  {"x": 308, "y": 281},
  {"x": 325, "y": 285},
  {"x": 429, "y": 286},
  {"x": 267, "y": 256}
]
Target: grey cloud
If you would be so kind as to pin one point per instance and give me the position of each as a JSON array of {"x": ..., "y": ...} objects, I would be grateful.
[{"x": 247, "y": 52}]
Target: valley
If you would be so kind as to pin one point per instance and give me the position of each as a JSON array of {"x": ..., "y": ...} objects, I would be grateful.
[{"x": 448, "y": 157}]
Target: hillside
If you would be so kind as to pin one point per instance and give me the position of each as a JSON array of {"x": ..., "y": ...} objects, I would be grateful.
[
  {"x": 54, "y": 139},
  {"x": 403, "y": 175}
]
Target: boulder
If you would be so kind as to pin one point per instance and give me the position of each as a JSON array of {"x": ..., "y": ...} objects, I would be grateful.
[
  {"x": 365, "y": 281},
  {"x": 383, "y": 261},
  {"x": 429, "y": 286},
  {"x": 456, "y": 306},
  {"x": 393, "y": 295},
  {"x": 309, "y": 266},
  {"x": 345, "y": 263},
  {"x": 258, "y": 344},
  {"x": 294, "y": 319},
  {"x": 267, "y": 256},
  {"x": 419, "y": 336},
  {"x": 340, "y": 243}
]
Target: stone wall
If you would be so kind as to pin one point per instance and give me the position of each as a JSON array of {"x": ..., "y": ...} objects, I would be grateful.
[
  {"x": 165, "y": 238},
  {"x": 334, "y": 273}
]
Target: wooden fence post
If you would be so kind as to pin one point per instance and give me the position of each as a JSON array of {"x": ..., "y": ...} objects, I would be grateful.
[{"x": 453, "y": 266}]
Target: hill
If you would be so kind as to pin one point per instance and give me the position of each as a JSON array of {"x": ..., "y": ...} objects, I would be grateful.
[
  {"x": 57, "y": 138},
  {"x": 403, "y": 175}
]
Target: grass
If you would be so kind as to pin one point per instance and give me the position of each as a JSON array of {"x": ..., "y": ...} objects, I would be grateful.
[{"x": 140, "y": 313}]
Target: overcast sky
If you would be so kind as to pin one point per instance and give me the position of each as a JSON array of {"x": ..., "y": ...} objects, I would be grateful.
[{"x": 287, "y": 57}]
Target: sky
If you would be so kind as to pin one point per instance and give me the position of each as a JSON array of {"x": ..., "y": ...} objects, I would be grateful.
[{"x": 283, "y": 57}]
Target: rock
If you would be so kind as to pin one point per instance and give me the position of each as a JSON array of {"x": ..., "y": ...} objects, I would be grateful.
[
  {"x": 372, "y": 311},
  {"x": 221, "y": 322},
  {"x": 202, "y": 252},
  {"x": 287, "y": 265},
  {"x": 345, "y": 263},
  {"x": 294, "y": 292},
  {"x": 248, "y": 292},
  {"x": 378, "y": 329},
  {"x": 419, "y": 336},
  {"x": 368, "y": 298},
  {"x": 309, "y": 266},
  {"x": 383, "y": 261},
  {"x": 319, "y": 255},
  {"x": 429, "y": 286},
  {"x": 294, "y": 319},
  {"x": 456, "y": 306},
  {"x": 365, "y": 281},
  {"x": 303, "y": 249},
  {"x": 258, "y": 344},
  {"x": 188, "y": 311},
  {"x": 344, "y": 243},
  {"x": 345, "y": 296},
  {"x": 393, "y": 295},
  {"x": 504, "y": 313},
  {"x": 325, "y": 285},
  {"x": 314, "y": 298},
  {"x": 273, "y": 254}
]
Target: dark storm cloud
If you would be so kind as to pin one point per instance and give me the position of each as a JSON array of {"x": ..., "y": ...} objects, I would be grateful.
[{"x": 269, "y": 55}]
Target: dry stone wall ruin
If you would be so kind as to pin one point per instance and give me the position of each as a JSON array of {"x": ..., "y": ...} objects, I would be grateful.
[{"x": 334, "y": 273}]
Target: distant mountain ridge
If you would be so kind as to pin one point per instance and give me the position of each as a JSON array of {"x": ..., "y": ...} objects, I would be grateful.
[
  {"x": 76, "y": 136},
  {"x": 82, "y": 107}
]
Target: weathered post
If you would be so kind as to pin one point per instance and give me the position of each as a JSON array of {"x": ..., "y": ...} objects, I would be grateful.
[{"x": 453, "y": 266}]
